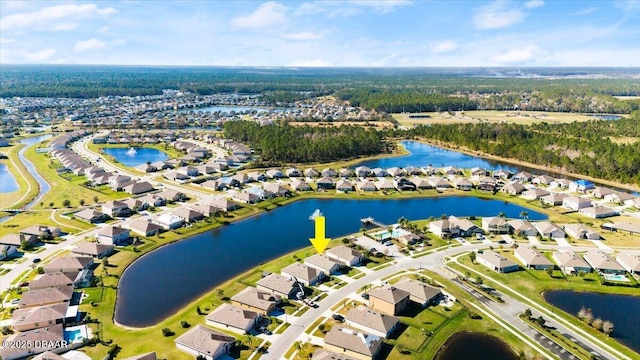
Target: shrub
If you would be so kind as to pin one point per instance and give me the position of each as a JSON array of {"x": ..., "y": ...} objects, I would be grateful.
[
  {"x": 184, "y": 324},
  {"x": 167, "y": 332}
]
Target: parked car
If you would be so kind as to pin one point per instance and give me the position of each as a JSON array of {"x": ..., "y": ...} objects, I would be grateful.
[
  {"x": 338, "y": 317},
  {"x": 36, "y": 260}
]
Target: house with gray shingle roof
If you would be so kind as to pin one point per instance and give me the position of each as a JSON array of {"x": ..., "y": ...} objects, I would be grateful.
[
  {"x": 256, "y": 300},
  {"x": 203, "y": 341},
  {"x": 281, "y": 285},
  {"x": 233, "y": 318},
  {"x": 603, "y": 262},
  {"x": 371, "y": 322},
  {"x": 532, "y": 258},
  {"x": 68, "y": 264},
  {"x": 345, "y": 255},
  {"x": 419, "y": 292},
  {"x": 570, "y": 263},
  {"x": 323, "y": 263},
  {"x": 629, "y": 262},
  {"x": 303, "y": 273},
  {"x": 388, "y": 299},
  {"x": 43, "y": 339},
  {"x": 352, "y": 342},
  {"x": 92, "y": 249},
  {"x": 46, "y": 296},
  {"x": 39, "y": 316},
  {"x": 495, "y": 261}
]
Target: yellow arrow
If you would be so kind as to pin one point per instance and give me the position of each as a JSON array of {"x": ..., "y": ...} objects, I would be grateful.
[{"x": 319, "y": 242}]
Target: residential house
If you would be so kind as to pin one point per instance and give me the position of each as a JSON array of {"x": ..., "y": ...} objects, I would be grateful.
[
  {"x": 300, "y": 185},
  {"x": 631, "y": 228},
  {"x": 175, "y": 176},
  {"x": 147, "y": 356},
  {"x": 305, "y": 274},
  {"x": 419, "y": 292},
  {"x": 344, "y": 186},
  {"x": 153, "y": 200},
  {"x": 243, "y": 178},
  {"x": 395, "y": 171},
  {"x": 189, "y": 170},
  {"x": 550, "y": 230},
  {"x": 502, "y": 174},
  {"x": 55, "y": 279},
  {"x": 330, "y": 173},
  {"x": 293, "y": 172},
  {"x": 388, "y": 299},
  {"x": 187, "y": 215},
  {"x": 69, "y": 264},
  {"x": 523, "y": 176},
  {"x": 379, "y": 172},
  {"x": 91, "y": 216},
  {"x": 440, "y": 184},
  {"x": 43, "y": 339},
  {"x": 205, "y": 342},
  {"x": 570, "y": 263},
  {"x": 486, "y": 183},
  {"x": 144, "y": 227},
  {"x": 580, "y": 231},
  {"x": 30, "y": 318},
  {"x": 495, "y": 261},
  {"x": 311, "y": 173},
  {"x": 222, "y": 204},
  {"x": 634, "y": 202},
  {"x": 323, "y": 354},
  {"x": 136, "y": 204},
  {"x": 275, "y": 174},
  {"x": 257, "y": 300},
  {"x": 385, "y": 184},
  {"x": 560, "y": 183},
  {"x": 581, "y": 186},
  {"x": 346, "y": 173},
  {"x": 477, "y": 172},
  {"x": 366, "y": 185},
  {"x": 171, "y": 196},
  {"x": 542, "y": 180},
  {"x": 323, "y": 263},
  {"x": 630, "y": 263},
  {"x": 362, "y": 171},
  {"x": 46, "y": 296},
  {"x": 602, "y": 262},
  {"x": 371, "y": 322},
  {"x": 522, "y": 228},
  {"x": 598, "y": 212},
  {"x": 421, "y": 183},
  {"x": 575, "y": 203},
  {"x": 451, "y": 170},
  {"x": 92, "y": 249},
  {"x": 532, "y": 258},
  {"x": 462, "y": 184},
  {"x": 534, "y": 194},
  {"x": 513, "y": 188},
  {"x": 345, "y": 255},
  {"x": 600, "y": 192},
  {"x": 554, "y": 199},
  {"x": 116, "y": 208},
  {"x": 246, "y": 198},
  {"x": 404, "y": 184},
  {"x": 284, "y": 286},
  {"x": 496, "y": 225},
  {"x": 233, "y": 318},
  {"x": 17, "y": 239},
  {"x": 169, "y": 221},
  {"x": 277, "y": 189},
  {"x": 325, "y": 183},
  {"x": 135, "y": 187},
  {"x": 352, "y": 343},
  {"x": 257, "y": 176}
]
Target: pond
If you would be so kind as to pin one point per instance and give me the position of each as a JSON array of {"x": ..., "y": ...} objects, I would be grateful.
[
  {"x": 133, "y": 157},
  {"x": 621, "y": 310},
  {"x": 422, "y": 155},
  {"x": 165, "y": 280},
  {"x": 476, "y": 346},
  {"x": 7, "y": 180}
]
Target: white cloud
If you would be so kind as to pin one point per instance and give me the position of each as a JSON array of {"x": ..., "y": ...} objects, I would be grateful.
[
  {"x": 7, "y": 40},
  {"x": 118, "y": 42},
  {"x": 30, "y": 56},
  {"x": 383, "y": 6},
  {"x": 585, "y": 11},
  {"x": 89, "y": 45},
  {"x": 266, "y": 15},
  {"x": 532, "y": 4},
  {"x": 520, "y": 55},
  {"x": 334, "y": 9},
  {"x": 303, "y": 36},
  {"x": 103, "y": 29},
  {"x": 312, "y": 63},
  {"x": 52, "y": 13},
  {"x": 497, "y": 15},
  {"x": 65, "y": 26},
  {"x": 444, "y": 47}
]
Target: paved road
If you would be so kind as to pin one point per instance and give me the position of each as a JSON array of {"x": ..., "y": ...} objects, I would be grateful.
[{"x": 509, "y": 311}]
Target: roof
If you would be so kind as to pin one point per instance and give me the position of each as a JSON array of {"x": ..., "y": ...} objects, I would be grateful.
[
  {"x": 366, "y": 317},
  {"x": 495, "y": 259},
  {"x": 301, "y": 271},
  {"x": 52, "y": 280},
  {"x": 40, "y": 314},
  {"x": 53, "y": 334},
  {"x": 277, "y": 282},
  {"x": 532, "y": 257},
  {"x": 111, "y": 231},
  {"x": 233, "y": 316},
  {"x": 389, "y": 294},
  {"x": 599, "y": 260},
  {"x": 48, "y": 356},
  {"x": 567, "y": 258},
  {"x": 353, "y": 340},
  {"x": 321, "y": 261},
  {"x": 418, "y": 289},
  {"x": 147, "y": 356},
  {"x": 204, "y": 339},
  {"x": 68, "y": 262},
  {"x": 46, "y": 296},
  {"x": 344, "y": 253},
  {"x": 256, "y": 298},
  {"x": 630, "y": 261},
  {"x": 322, "y": 354},
  {"x": 92, "y": 248}
]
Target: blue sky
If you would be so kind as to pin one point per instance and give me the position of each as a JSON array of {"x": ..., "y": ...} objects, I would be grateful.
[{"x": 322, "y": 33}]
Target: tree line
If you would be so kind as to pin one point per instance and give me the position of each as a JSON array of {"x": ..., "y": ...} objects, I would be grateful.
[{"x": 279, "y": 144}]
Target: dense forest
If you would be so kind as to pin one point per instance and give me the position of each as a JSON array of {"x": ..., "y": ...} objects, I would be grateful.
[
  {"x": 279, "y": 144},
  {"x": 597, "y": 148},
  {"x": 384, "y": 89}
]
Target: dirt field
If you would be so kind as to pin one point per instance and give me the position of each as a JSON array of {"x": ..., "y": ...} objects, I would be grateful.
[{"x": 518, "y": 117}]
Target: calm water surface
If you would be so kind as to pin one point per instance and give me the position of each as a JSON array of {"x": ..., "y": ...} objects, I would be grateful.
[
  {"x": 165, "y": 280},
  {"x": 141, "y": 156},
  {"x": 476, "y": 346},
  {"x": 622, "y": 310},
  {"x": 7, "y": 180}
]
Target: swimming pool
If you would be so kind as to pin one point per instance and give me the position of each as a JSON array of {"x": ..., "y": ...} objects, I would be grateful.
[
  {"x": 76, "y": 334},
  {"x": 612, "y": 277}
]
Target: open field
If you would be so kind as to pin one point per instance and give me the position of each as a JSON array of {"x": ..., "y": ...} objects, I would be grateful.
[
  {"x": 368, "y": 124},
  {"x": 516, "y": 117}
]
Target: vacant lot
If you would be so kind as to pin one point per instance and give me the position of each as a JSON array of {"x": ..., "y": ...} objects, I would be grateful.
[{"x": 518, "y": 117}]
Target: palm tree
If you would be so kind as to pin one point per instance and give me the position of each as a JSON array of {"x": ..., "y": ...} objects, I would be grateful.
[
  {"x": 248, "y": 339},
  {"x": 501, "y": 214},
  {"x": 524, "y": 214}
]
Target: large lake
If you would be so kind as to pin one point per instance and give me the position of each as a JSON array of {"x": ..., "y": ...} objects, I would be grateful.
[
  {"x": 165, "y": 280},
  {"x": 7, "y": 180},
  {"x": 622, "y": 310},
  {"x": 137, "y": 156},
  {"x": 424, "y": 155}
]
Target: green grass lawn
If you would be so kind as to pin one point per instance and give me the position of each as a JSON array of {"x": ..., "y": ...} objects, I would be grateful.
[{"x": 23, "y": 178}]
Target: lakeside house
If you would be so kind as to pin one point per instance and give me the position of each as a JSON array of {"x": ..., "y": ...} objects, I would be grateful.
[
  {"x": 305, "y": 274},
  {"x": 323, "y": 263},
  {"x": 345, "y": 255},
  {"x": 532, "y": 258},
  {"x": 233, "y": 318},
  {"x": 284, "y": 286},
  {"x": 46, "y": 296},
  {"x": 522, "y": 228},
  {"x": 602, "y": 262},
  {"x": 43, "y": 339},
  {"x": 42, "y": 316},
  {"x": 419, "y": 292},
  {"x": 496, "y": 225},
  {"x": 371, "y": 322},
  {"x": 570, "y": 263},
  {"x": 256, "y": 300},
  {"x": 56, "y": 279},
  {"x": 92, "y": 249},
  {"x": 630, "y": 263},
  {"x": 496, "y": 262},
  {"x": 205, "y": 342},
  {"x": 352, "y": 343},
  {"x": 388, "y": 299},
  {"x": 69, "y": 264}
]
